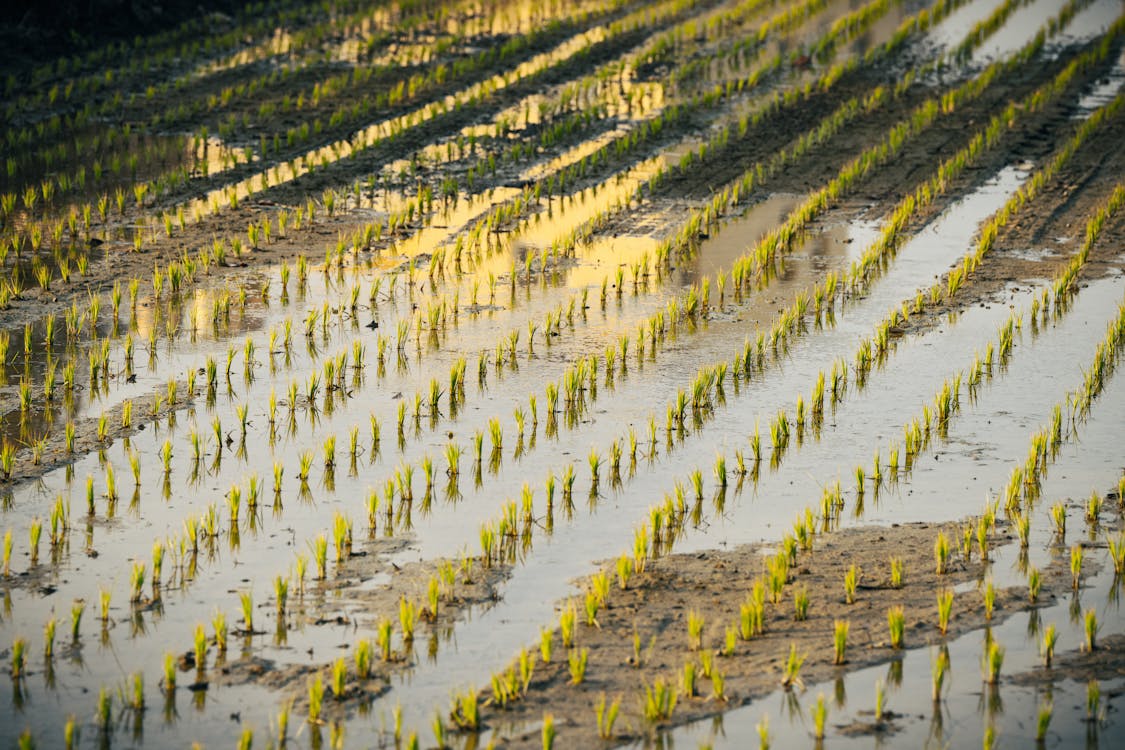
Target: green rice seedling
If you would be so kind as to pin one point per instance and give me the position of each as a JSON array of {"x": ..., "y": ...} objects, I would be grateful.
[
  {"x": 982, "y": 529},
  {"x": 659, "y": 701},
  {"x": 606, "y": 716},
  {"x": 592, "y": 604},
  {"x": 819, "y": 716},
  {"x": 777, "y": 575},
  {"x": 945, "y": 609},
  {"x": 568, "y": 618},
  {"x": 695, "y": 624},
  {"x": 730, "y": 640},
  {"x": 1050, "y": 638},
  {"x": 103, "y": 604},
  {"x": 383, "y": 638},
  {"x": 1093, "y": 700},
  {"x": 316, "y": 699},
  {"x": 1023, "y": 529},
  {"x": 1034, "y": 582},
  {"x": 200, "y": 644},
  {"x": 548, "y": 732},
  {"x": 989, "y": 597},
  {"x": 721, "y": 470},
  {"x": 938, "y": 671},
  {"x": 1076, "y": 565},
  {"x": 1043, "y": 720},
  {"x": 801, "y": 603},
  {"x": 339, "y": 683},
  {"x": 137, "y": 577},
  {"x": 1116, "y": 552},
  {"x": 169, "y": 672},
  {"x": 319, "y": 547},
  {"x": 994, "y": 659},
  {"x": 7, "y": 561},
  {"x": 138, "y": 683},
  {"x": 840, "y": 641},
  {"x": 624, "y": 571},
  {"x": 718, "y": 686},
  {"x": 35, "y": 531},
  {"x": 246, "y": 601},
  {"x": 1090, "y": 628},
  {"x": 896, "y": 623},
  {"x": 407, "y": 618},
  {"x": 219, "y": 625},
  {"x": 851, "y": 583},
  {"x": 576, "y": 662},
  {"x": 19, "y": 658},
  {"x": 687, "y": 680},
  {"x": 49, "y": 638},
  {"x": 941, "y": 553},
  {"x": 1094, "y": 508},
  {"x": 706, "y": 662},
  {"x": 77, "y": 609},
  {"x": 1058, "y": 515},
  {"x": 792, "y": 675},
  {"x": 466, "y": 711},
  {"x": 546, "y": 640},
  {"x": 110, "y": 483}
]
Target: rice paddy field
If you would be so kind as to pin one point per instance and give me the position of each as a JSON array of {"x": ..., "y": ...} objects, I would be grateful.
[{"x": 689, "y": 373}]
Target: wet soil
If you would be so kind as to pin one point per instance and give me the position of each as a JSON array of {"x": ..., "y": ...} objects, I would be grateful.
[{"x": 656, "y": 605}]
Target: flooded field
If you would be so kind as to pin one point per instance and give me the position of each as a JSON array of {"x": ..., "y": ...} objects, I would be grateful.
[{"x": 647, "y": 374}]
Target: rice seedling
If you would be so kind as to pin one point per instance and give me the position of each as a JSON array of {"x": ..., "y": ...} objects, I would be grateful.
[
  {"x": 896, "y": 623},
  {"x": 1076, "y": 565},
  {"x": 989, "y": 598},
  {"x": 1090, "y": 629},
  {"x": 1094, "y": 508},
  {"x": 792, "y": 671},
  {"x": 1058, "y": 515},
  {"x": 200, "y": 648},
  {"x": 658, "y": 702},
  {"x": 777, "y": 575},
  {"x": 137, "y": 580},
  {"x": 941, "y": 553},
  {"x": 407, "y": 618},
  {"x": 606, "y": 716},
  {"x": 319, "y": 547},
  {"x": 945, "y": 609},
  {"x": 851, "y": 582},
  {"x": 695, "y": 624},
  {"x": 993, "y": 661},
  {"x": 1034, "y": 583},
  {"x": 316, "y": 698},
  {"x": 819, "y": 716},
  {"x": 840, "y": 641},
  {"x": 77, "y": 609},
  {"x": 49, "y": 638},
  {"x": 1116, "y": 552},
  {"x": 688, "y": 680},
  {"x": 801, "y": 603},
  {"x": 576, "y": 663},
  {"x": 1050, "y": 638},
  {"x": 568, "y": 618},
  {"x": 383, "y": 638}
]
